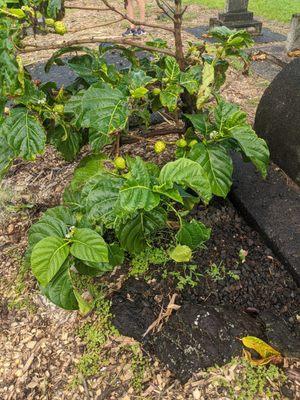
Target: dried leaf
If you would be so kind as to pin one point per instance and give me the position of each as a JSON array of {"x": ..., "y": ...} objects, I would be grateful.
[{"x": 262, "y": 348}]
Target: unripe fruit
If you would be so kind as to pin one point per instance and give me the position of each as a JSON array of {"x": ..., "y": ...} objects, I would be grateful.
[
  {"x": 193, "y": 143},
  {"x": 120, "y": 163},
  {"x": 159, "y": 146},
  {"x": 156, "y": 91},
  {"x": 50, "y": 22},
  {"x": 181, "y": 143},
  {"x": 59, "y": 108},
  {"x": 60, "y": 27}
]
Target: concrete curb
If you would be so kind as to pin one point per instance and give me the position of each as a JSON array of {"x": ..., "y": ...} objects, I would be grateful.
[{"x": 271, "y": 206}]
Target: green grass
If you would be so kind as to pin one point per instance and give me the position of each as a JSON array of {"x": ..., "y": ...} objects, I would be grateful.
[{"x": 280, "y": 10}]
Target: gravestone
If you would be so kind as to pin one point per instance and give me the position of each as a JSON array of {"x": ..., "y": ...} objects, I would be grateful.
[
  {"x": 237, "y": 16},
  {"x": 293, "y": 39},
  {"x": 278, "y": 119}
]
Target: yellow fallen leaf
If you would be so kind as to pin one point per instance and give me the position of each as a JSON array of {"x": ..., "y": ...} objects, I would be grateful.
[
  {"x": 261, "y": 347},
  {"x": 275, "y": 359}
]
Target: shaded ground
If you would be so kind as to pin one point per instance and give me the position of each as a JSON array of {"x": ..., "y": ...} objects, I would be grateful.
[{"x": 41, "y": 345}]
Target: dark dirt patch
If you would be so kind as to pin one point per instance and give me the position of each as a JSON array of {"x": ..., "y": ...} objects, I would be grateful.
[{"x": 264, "y": 286}]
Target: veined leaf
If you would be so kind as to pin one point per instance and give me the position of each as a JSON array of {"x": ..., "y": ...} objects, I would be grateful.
[
  {"x": 101, "y": 194},
  {"x": 134, "y": 233},
  {"x": 136, "y": 192},
  {"x": 169, "y": 96},
  {"x": 67, "y": 141},
  {"x": 172, "y": 70},
  {"x": 88, "y": 245},
  {"x": 193, "y": 234},
  {"x": 171, "y": 193},
  {"x": 204, "y": 92},
  {"x": 53, "y": 8},
  {"x": 88, "y": 167},
  {"x": 201, "y": 123},
  {"x": 216, "y": 162},
  {"x": 99, "y": 139},
  {"x": 228, "y": 115},
  {"x": 138, "y": 79},
  {"x": 134, "y": 196},
  {"x": 262, "y": 348},
  {"x": 47, "y": 257},
  {"x": 61, "y": 213},
  {"x": 7, "y": 154},
  {"x": 181, "y": 253},
  {"x": 60, "y": 289},
  {"x": 101, "y": 108},
  {"x": 26, "y": 136},
  {"x": 187, "y": 173},
  {"x": 47, "y": 226},
  {"x": 115, "y": 257},
  {"x": 190, "y": 79},
  {"x": 252, "y": 146}
]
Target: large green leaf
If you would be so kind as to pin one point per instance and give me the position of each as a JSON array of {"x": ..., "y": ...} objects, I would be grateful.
[
  {"x": 228, "y": 115},
  {"x": 201, "y": 123},
  {"x": 115, "y": 257},
  {"x": 60, "y": 289},
  {"x": 193, "y": 234},
  {"x": 216, "y": 162},
  {"x": 61, "y": 213},
  {"x": 26, "y": 136},
  {"x": 75, "y": 107},
  {"x": 137, "y": 79},
  {"x": 133, "y": 234},
  {"x": 190, "y": 79},
  {"x": 205, "y": 89},
  {"x": 7, "y": 154},
  {"x": 67, "y": 141},
  {"x": 98, "y": 140},
  {"x": 101, "y": 108},
  {"x": 88, "y": 167},
  {"x": 101, "y": 194},
  {"x": 252, "y": 146},
  {"x": 172, "y": 70},
  {"x": 187, "y": 173},
  {"x": 169, "y": 96},
  {"x": 133, "y": 196},
  {"x": 136, "y": 193},
  {"x": 47, "y": 257},
  {"x": 32, "y": 94},
  {"x": 45, "y": 227},
  {"x": 88, "y": 245},
  {"x": 53, "y": 8}
]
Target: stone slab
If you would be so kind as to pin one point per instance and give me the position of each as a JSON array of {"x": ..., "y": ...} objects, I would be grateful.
[
  {"x": 272, "y": 206},
  {"x": 293, "y": 39},
  {"x": 240, "y": 16},
  {"x": 267, "y": 36},
  {"x": 277, "y": 119}
]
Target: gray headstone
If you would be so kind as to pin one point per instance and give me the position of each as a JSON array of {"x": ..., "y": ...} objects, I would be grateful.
[
  {"x": 293, "y": 39},
  {"x": 236, "y": 5},
  {"x": 278, "y": 119},
  {"x": 237, "y": 16}
]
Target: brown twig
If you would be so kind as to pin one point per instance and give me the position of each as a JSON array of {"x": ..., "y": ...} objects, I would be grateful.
[
  {"x": 136, "y": 22},
  {"x": 124, "y": 42},
  {"x": 86, "y": 8},
  {"x": 163, "y": 315},
  {"x": 129, "y": 139}
]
